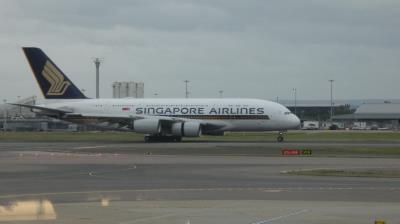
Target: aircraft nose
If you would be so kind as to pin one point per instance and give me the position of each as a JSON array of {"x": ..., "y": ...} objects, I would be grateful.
[{"x": 295, "y": 122}]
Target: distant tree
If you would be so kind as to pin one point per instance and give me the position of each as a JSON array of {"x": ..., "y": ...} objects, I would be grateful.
[{"x": 343, "y": 109}]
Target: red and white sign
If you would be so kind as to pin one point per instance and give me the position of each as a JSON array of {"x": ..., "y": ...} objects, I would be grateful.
[{"x": 291, "y": 152}]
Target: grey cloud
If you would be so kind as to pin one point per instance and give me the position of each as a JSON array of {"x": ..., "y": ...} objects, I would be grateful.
[
  {"x": 252, "y": 48},
  {"x": 163, "y": 15},
  {"x": 299, "y": 22}
]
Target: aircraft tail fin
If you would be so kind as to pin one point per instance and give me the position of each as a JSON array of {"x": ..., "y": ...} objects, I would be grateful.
[{"x": 52, "y": 81}]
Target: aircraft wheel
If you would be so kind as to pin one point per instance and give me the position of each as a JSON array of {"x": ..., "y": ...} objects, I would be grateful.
[
  {"x": 147, "y": 138},
  {"x": 280, "y": 139},
  {"x": 178, "y": 139}
]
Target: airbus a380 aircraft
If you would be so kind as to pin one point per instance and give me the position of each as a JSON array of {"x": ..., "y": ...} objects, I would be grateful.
[{"x": 158, "y": 119}]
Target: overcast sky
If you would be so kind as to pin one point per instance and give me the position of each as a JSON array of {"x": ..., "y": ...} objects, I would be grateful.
[{"x": 252, "y": 48}]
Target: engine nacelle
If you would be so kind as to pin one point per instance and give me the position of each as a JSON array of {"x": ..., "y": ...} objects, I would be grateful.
[
  {"x": 147, "y": 126},
  {"x": 186, "y": 129}
]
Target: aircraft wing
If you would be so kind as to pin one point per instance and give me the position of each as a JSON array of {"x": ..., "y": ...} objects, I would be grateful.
[
  {"x": 45, "y": 109},
  {"x": 117, "y": 121}
]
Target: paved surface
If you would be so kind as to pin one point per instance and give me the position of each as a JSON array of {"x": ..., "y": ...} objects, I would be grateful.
[{"x": 114, "y": 187}]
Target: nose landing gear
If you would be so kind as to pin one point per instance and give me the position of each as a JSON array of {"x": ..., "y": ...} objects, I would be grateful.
[{"x": 280, "y": 137}]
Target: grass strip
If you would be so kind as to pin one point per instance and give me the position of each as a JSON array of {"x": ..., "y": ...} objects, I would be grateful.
[{"x": 347, "y": 173}]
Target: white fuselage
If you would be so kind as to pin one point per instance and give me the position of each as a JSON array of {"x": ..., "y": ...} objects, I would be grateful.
[{"x": 232, "y": 114}]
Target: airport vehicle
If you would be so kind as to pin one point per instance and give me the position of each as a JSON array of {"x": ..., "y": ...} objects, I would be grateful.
[
  {"x": 158, "y": 119},
  {"x": 310, "y": 125},
  {"x": 359, "y": 126}
]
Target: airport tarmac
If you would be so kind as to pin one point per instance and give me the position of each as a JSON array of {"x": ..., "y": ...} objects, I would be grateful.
[{"x": 88, "y": 182}]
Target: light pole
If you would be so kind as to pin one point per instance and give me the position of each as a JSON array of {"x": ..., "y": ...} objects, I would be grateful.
[
  {"x": 5, "y": 116},
  {"x": 331, "y": 81},
  {"x": 20, "y": 108},
  {"x": 97, "y": 62},
  {"x": 186, "y": 87},
  {"x": 295, "y": 100},
  {"x": 221, "y": 94}
]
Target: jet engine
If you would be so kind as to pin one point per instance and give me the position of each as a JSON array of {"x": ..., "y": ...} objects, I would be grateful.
[
  {"x": 186, "y": 129},
  {"x": 147, "y": 126}
]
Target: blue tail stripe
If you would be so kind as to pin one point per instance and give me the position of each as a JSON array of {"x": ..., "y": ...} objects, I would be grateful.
[{"x": 53, "y": 83}]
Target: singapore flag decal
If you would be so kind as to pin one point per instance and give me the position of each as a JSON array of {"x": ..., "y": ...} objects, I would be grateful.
[{"x": 126, "y": 109}]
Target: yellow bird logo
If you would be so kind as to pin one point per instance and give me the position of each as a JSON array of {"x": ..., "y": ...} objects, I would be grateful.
[{"x": 58, "y": 85}]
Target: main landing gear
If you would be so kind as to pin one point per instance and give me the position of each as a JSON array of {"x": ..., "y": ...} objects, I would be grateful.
[
  {"x": 280, "y": 137},
  {"x": 162, "y": 138}
]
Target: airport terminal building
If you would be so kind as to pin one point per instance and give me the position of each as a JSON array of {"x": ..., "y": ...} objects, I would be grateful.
[
  {"x": 373, "y": 116},
  {"x": 316, "y": 111}
]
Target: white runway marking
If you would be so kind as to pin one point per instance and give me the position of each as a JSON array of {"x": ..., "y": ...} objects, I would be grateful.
[
  {"x": 267, "y": 190},
  {"x": 281, "y": 217},
  {"x": 94, "y": 173},
  {"x": 149, "y": 218},
  {"x": 90, "y": 147}
]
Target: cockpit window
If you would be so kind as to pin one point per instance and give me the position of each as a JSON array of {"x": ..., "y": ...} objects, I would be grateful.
[{"x": 287, "y": 113}]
